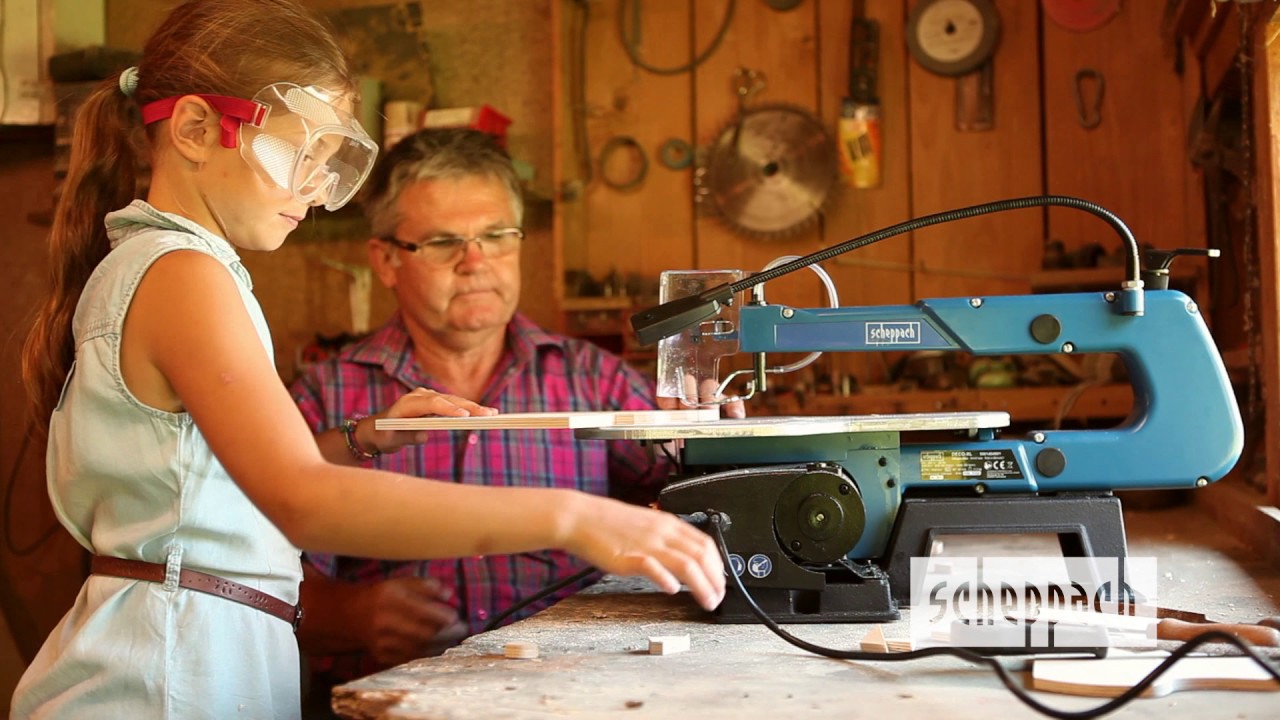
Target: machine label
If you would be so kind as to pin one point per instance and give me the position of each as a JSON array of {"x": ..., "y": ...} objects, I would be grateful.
[
  {"x": 976, "y": 465},
  {"x": 759, "y": 565},
  {"x": 893, "y": 333}
]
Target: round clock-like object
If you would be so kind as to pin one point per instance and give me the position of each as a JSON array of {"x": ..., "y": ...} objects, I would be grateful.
[{"x": 953, "y": 37}]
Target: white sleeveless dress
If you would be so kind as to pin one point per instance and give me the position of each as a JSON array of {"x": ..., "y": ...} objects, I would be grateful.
[{"x": 131, "y": 481}]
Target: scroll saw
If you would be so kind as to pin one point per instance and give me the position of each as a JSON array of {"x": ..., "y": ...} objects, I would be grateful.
[{"x": 826, "y": 513}]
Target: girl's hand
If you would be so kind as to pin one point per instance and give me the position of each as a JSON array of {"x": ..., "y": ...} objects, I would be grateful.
[
  {"x": 420, "y": 402},
  {"x": 624, "y": 539}
]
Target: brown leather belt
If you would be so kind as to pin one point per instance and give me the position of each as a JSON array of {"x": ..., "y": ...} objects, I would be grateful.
[{"x": 200, "y": 582}]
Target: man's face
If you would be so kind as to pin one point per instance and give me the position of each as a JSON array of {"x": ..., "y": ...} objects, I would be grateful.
[{"x": 471, "y": 293}]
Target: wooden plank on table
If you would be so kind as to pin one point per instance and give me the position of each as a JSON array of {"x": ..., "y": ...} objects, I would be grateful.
[
  {"x": 852, "y": 212},
  {"x": 952, "y": 169},
  {"x": 648, "y": 228},
  {"x": 1109, "y": 677},
  {"x": 1134, "y": 163},
  {"x": 549, "y": 420}
]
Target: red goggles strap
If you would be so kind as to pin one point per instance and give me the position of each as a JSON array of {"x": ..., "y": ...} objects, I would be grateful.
[{"x": 234, "y": 111}]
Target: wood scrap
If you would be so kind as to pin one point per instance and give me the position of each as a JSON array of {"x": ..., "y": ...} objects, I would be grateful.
[
  {"x": 668, "y": 644},
  {"x": 1110, "y": 677},
  {"x": 874, "y": 641},
  {"x": 519, "y": 650},
  {"x": 549, "y": 420}
]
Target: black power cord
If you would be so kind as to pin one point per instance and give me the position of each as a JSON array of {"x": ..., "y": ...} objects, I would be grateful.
[
  {"x": 1132, "y": 261},
  {"x": 698, "y": 519},
  {"x": 669, "y": 318},
  {"x": 717, "y": 520},
  {"x": 543, "y": 593},
  {"x": 630, "y": 42},
  {"x": 612, "y": 146}
]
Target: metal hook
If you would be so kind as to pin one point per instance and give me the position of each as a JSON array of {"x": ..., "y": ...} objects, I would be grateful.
[{"x": 1090, "y": 115}]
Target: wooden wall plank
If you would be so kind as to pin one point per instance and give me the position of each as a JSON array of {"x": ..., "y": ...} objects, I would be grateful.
[
  {"x": 650, "y": 228},
  {"x": 877, "y": 274},
  {"x": 1134, "y": 162},
  {"x": 39, "y": 585},
  {"x": 1222, "y": 49},
  {"x": 952, "y": 169},
  {"x": 568, "y": 216},
  {"x": 782, "y": 45},
  {"x": 1266, "y": 109}
]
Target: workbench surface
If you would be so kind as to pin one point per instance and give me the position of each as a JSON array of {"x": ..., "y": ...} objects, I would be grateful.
[{"x": 594, "y": 662}]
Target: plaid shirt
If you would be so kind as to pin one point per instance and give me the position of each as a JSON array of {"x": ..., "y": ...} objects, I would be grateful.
[{"x": 538, "y": 372}]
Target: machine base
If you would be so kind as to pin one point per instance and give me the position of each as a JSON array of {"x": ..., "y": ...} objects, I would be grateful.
[
  {"x": 1086, "y": 526},
  {"x": 854, "y": 601}
]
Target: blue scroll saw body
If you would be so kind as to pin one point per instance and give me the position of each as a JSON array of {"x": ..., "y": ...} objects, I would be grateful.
[{"x": 823, "y": 526}]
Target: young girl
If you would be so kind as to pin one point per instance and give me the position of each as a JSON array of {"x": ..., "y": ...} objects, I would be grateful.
[{"x": 175, "y": 453}]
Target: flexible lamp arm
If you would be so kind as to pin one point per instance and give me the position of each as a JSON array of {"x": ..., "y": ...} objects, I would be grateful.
[{"x": 672, "y": 317}]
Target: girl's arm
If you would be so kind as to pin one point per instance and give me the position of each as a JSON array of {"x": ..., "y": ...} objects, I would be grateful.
[{"x": 188, "y": 322}]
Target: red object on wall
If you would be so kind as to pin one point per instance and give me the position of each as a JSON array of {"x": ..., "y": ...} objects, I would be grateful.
[
  {"x": 1081, "y": 15},
  {"x": 483, "y": 118}
]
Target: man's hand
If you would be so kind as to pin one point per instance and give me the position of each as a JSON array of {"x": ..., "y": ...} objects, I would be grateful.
[
  {"x": 706, "y": 392},
  {"x": 418, "y": 403},
  {"x": 403, "y": 619}
]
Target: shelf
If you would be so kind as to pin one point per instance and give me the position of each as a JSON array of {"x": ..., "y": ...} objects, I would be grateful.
[
  {"x": 1024, "y": 404},
  {"x": 583, "y": 304}
]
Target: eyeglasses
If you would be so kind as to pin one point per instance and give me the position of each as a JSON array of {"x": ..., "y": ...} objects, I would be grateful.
[{"x": 448, "y": 249}]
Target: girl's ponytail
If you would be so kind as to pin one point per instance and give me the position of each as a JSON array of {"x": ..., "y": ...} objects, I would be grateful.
[
  {"x": 221, "y": 47},
  {"x": 102, "y": 176}
]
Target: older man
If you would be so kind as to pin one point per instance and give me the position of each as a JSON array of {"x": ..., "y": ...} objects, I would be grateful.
[{"x": 445, "y": 209}]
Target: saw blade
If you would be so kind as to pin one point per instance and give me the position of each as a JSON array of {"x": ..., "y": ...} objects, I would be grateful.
[{"x": 769, "y": 171}]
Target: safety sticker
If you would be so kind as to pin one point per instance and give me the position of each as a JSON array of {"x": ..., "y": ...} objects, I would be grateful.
[
  {"x": 969, "y": 465},
  {"x": 759, "y": 566},
  {"x": 737, "y": 564}
]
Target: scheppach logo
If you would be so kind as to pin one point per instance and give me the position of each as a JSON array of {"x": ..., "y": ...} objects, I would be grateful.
[
  {"x": 893, "y": 333},
  {"x": 1033, "y": 602}
]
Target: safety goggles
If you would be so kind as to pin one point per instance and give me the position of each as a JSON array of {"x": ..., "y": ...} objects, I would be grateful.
[{"x": 295, "y": 137}]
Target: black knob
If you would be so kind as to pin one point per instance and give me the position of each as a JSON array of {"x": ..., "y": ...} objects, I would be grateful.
[
  {"x": 1051, "y": 462},
  {"x": 1046, "y": 329}
]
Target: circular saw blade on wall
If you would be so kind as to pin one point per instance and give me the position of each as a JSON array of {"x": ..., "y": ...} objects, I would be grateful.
[{"x": 769, "y": 171}]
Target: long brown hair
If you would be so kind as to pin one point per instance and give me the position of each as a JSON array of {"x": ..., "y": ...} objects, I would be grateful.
[{"x": 221, "y": 47}]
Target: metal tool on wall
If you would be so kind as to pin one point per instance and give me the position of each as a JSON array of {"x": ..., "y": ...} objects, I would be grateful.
[
  {"x": 746, "y": 83},
  {"x": 958, "y": 38},
  {"x": 1089, "y": 87},
  {"x": 769, "y": 170},
  {"x": 859, "y": 125}
]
